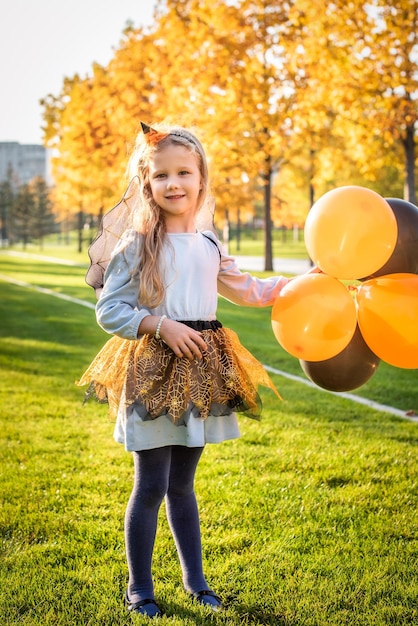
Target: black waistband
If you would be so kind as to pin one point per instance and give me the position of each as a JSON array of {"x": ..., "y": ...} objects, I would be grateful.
[{"x": 202, "y": 324}]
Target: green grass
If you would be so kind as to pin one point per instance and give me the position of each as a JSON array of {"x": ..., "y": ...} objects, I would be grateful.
[{"x": 308, "y": 520}]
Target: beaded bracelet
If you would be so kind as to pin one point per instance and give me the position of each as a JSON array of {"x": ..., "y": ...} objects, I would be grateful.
[{"x": 157, "y": 330}]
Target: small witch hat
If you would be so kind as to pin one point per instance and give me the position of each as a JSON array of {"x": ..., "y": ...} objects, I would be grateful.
[{"x": 151, "y": 135}]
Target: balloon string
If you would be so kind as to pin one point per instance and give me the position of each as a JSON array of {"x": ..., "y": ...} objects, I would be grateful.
[{"x": 353, "y": 288}]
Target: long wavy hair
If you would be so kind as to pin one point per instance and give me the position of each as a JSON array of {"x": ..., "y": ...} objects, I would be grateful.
[{"x": 147, "y": 218}]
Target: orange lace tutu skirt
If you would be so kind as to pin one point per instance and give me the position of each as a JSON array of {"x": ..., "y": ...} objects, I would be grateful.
[{"x": 147, "y": 371}]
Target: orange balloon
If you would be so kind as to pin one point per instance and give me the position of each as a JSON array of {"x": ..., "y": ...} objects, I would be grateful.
[
  {"x": 388, "y": 318},
  {"x": 350, "y": 232},
  {"x": 314, "y": 317}
]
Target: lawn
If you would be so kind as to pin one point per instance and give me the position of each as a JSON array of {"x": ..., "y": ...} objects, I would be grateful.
[{"x": 308, "y": 520}]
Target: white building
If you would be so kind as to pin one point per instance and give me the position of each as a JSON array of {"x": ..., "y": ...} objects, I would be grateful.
[{"x": 25, "y": 162}]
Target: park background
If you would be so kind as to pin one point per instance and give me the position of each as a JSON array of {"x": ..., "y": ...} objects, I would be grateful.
[
  {"x": 289, "y": 99},
  {"x": 310, "y": 518}
]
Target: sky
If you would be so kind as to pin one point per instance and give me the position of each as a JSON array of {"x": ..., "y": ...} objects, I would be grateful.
[{"x": 42, "y": 41}]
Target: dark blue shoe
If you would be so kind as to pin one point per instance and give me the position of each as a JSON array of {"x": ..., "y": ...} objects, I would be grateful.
[
  {"x": 147, "y": 607},
  {"x": 207, "y": 597}
]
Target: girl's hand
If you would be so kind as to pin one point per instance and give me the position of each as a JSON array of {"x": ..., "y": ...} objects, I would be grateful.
[{"x": 183, "y": 340}]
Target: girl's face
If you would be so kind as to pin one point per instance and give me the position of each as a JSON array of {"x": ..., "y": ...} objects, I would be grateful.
[{"x": 175, "y": 182}]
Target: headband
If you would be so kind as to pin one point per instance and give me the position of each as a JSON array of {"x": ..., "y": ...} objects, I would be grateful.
[{"x": 153, "y": 136}]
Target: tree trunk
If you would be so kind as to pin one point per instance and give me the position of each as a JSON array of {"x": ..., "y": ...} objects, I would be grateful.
[
  {"x": 268, "y": 240},
  {"x": 409, "y": 147},
  {"x": 3, "y": 220},
  {"x": 238, "y": 229},
  {"x": 225, "y": 231},
  {"x": 80, "y": 230},
  {"x": 311, "y": 187}
]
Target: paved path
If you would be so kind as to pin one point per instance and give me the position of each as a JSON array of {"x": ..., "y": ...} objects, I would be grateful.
[{"x": 280, "y": 265}]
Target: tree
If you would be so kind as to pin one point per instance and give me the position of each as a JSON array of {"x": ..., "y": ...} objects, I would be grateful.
[
  {"x": 359, "y": 62},
  {"x": 6, "y": 208},
  {"x": 22, "y": 214},
  {"x": 42, "y": 219},
  {"x": 322, "y": 94},
  {"x": 243, "y": 98},
  {"x": 387, "y": 65}
]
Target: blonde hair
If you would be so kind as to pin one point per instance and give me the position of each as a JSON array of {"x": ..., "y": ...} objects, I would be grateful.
[{"x": 147, "y": 217}]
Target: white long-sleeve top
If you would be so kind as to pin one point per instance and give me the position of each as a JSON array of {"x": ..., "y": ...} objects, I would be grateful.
[{"x": 195, "y": 269}]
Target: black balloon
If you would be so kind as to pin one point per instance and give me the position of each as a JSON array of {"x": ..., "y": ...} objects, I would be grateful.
[
  {"x": 404, "y": 257},
  {"x": 348, "y": 370}
]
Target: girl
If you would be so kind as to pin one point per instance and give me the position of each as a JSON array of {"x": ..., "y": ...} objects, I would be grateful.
[{"x": 173, "y": 376}]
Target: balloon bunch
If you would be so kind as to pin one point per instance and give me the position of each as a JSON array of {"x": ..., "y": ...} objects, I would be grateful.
[{"x": 340, "y": 332}]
